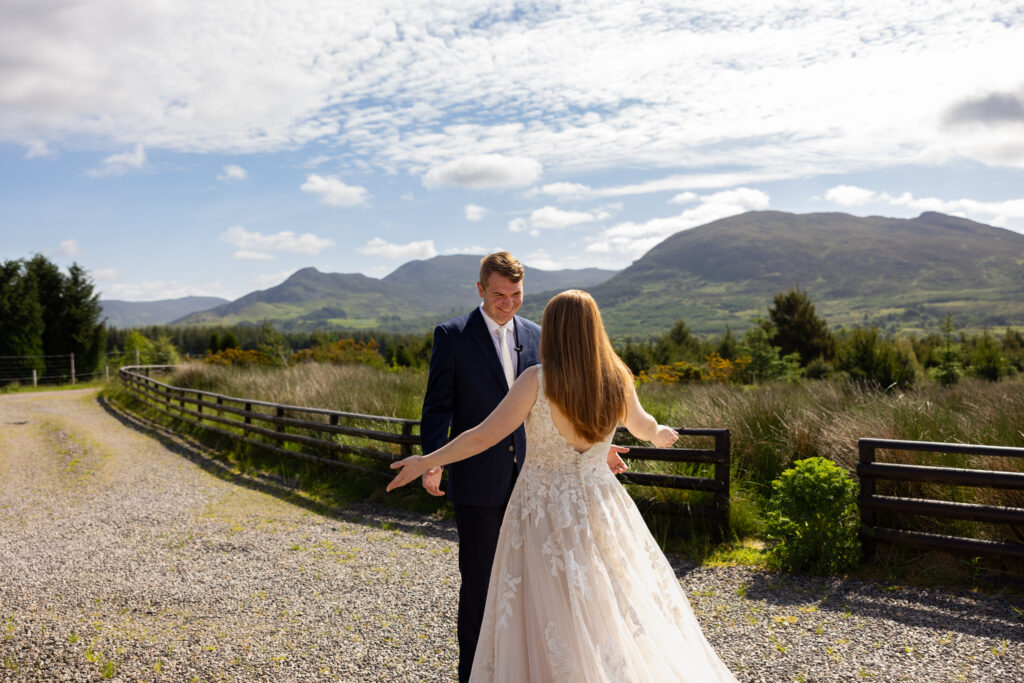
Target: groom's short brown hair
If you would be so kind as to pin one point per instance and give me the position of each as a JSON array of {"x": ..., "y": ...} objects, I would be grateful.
[{"x": 502, "y": 263}]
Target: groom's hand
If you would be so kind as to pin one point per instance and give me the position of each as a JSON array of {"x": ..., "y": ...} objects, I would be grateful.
[{"x": 432, "y": 481}]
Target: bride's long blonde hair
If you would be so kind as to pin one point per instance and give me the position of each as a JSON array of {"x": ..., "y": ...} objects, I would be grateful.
[{"x": 583, "y": 375}]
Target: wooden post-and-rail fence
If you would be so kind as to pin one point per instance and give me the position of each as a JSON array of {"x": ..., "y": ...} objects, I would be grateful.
[
  {"x": 321, "y": 436},
  {"x": 871, "y": 503}
]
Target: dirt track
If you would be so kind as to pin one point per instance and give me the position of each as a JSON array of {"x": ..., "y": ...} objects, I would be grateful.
[{"x": 128, "y": 552}]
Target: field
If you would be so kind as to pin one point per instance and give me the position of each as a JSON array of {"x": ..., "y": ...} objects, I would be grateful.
[{"x": 772, "y": 425}]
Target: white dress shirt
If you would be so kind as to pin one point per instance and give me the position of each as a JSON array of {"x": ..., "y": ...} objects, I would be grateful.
[{"x": 510, "y": 335}]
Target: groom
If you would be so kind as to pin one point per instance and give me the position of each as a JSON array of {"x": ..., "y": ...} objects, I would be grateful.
[{"x": 475, "y": 359}]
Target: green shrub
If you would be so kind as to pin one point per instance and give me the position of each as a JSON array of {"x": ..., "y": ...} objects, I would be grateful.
[{"x": 812, "y": 519}]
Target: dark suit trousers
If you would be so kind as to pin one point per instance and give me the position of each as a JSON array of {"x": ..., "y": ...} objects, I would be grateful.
[{"x": 479, "y": 526}]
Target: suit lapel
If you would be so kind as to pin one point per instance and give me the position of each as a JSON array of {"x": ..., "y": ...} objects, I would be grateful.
[
  {"x": 478, "y": 330},
  {"x": 525, "y": 341}
]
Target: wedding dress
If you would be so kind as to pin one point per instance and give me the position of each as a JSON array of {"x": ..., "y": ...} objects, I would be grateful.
[{"x": 579, "y": 589}]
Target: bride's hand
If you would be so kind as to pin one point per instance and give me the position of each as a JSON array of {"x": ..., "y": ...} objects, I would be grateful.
[
  {"x": 412, "y": 467},
  {"x": 615, "y": 463},
  {"x": 664, "y": 437}
]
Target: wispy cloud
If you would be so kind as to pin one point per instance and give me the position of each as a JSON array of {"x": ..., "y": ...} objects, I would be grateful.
[
  {"x": 157, "y": 290},
  {"x": 483, "y": 171},
  {"x": 474, "y": 212},
  {"x": 232, "y": 173},
  {"x": 69, "y": 248},
  {"x": 334, "y": 192},
  {"x": 410, "y": 250},
  {"x": 257, "y": 246},
  {"x": 995, "y": 213},
  {"x": 119, "y": 164},
  {"x": 849, "y": 195},
  {"x": 35, "y": 149},
  {"x": 634, "y": 239},
  {"x": 790, "y": 87}
]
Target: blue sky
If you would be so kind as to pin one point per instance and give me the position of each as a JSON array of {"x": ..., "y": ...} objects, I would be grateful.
[{"x": 180, "y": 148}]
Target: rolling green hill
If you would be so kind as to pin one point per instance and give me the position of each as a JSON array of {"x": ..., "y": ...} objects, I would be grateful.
[
  {"x": 901, "y": 274},
  {"x": 415, "y": 297}
]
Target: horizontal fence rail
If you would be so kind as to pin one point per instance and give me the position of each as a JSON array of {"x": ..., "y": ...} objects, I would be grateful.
[
  {"x": 316, "y": 434},
  {"x": 321, "y": 435},
  {"x": 718, "y": 511},
  {"x": 871, "y": 471}
]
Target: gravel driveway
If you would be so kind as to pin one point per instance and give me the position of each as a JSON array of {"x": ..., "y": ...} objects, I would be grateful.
[{"x": 128, "y": 553}]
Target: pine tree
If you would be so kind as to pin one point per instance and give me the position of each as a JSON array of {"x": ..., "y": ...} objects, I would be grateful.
[
  {"x": 21, "y": 322},
  {"x": 798, "y": 329}
]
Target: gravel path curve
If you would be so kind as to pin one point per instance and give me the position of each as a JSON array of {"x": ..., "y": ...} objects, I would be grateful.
[{"x": 127, "y": 553}]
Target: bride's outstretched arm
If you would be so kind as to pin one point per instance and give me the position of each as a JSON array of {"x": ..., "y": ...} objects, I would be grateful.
[
  {"x": 502, "y": 421},
  {"x": 642, "y": 425}
]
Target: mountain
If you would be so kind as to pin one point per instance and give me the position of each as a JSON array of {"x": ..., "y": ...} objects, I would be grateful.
[
  {"x": 900, "y": 274},
  {"x": 413, "y": 298},
  {"x": 140, "y": 313}
]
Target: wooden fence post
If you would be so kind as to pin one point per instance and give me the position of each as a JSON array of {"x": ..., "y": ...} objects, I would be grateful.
[
  {"x": 723, "y": 447},
  {"x": 406, "y": 447},
  {"x": 866, "y": 456}
]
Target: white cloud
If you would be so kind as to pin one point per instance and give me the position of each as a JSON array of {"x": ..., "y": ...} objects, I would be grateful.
[
  {"x": 69, "y": 248},
  {"x": 484, "y": 171},
  {"x": 567, "y": 191},
  {"x": 518, "y": 225},
  {"x": 475, "y": 212},
  {"x": 1010, "y": 208},
  {"x": 849, "y": 195},
  {"x": 105, "y": 274},
  {"x": 119, "y": 164},
  {"x": 684, "y": 198},
  {"x": 38, "y": 148},
  {"x": 232, "y": 172},
  {"x": 790, "y": 87},
  {"x": 410, "y": 250},
  {"x": 473, "y": 249},
  {"x": 334, "y": 192},
  {"x": 998, "y": 213},
  {"x": 158, "y": 290},
  {"x": 554, "y": 218},
  {"x": 634, "y": 239},
  {"x": 255, "y": 246}
]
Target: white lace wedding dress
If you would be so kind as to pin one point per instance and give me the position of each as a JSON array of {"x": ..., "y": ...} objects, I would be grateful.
[{"x": 580, "y": 591}]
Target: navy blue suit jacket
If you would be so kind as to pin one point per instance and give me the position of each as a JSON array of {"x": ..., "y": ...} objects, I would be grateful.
[{"x": 465, "y": 384}]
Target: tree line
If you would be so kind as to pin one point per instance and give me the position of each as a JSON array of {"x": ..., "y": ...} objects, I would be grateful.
[
  {"x": 45, "y": 316},
  {"x": 169, "y": 344},
  {"x": 793, "y": 342}
]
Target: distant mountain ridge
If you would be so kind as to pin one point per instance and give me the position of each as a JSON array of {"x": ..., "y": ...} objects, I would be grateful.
[
  {"x": 900, "y": 274},
  {"x": 126, "y": 314},
  {"x": 897, "y": 273},
  {"x": 414, "y": 297}
]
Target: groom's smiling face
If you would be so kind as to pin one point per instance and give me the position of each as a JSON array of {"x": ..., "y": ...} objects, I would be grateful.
[{"x": 502, "y": 297}]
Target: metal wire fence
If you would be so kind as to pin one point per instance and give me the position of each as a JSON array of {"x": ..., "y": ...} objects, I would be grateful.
[{"x": 45, "y": 369}]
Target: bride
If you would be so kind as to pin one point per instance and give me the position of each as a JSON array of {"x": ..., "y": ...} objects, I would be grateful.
[{"x": 579, "y": 590}]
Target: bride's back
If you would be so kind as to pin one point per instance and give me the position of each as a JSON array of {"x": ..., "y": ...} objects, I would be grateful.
[{"x": 585, "y": 381}]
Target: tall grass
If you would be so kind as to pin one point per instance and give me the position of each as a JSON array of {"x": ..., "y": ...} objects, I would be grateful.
[
  {"x": 350, "y": 388},
  {"x": 772, "y": 426}
]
